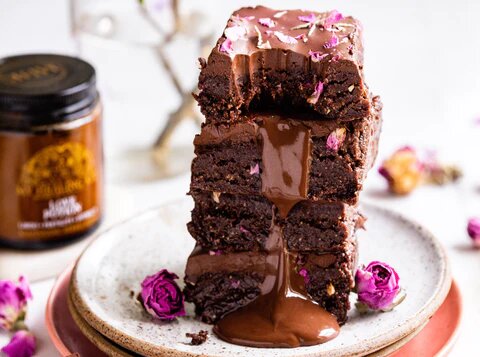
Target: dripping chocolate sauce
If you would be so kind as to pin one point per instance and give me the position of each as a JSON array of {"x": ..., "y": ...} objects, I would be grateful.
[{"x": 283, "y": 315}]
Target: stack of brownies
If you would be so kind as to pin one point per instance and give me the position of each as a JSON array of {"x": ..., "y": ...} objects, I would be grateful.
[{"x": 291, "y": 131}]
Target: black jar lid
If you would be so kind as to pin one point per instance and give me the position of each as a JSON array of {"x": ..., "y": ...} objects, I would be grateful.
[{"x": 44, "y": 89}]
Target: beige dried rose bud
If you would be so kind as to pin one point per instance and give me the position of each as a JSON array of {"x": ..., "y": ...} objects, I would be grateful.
[{"x": 403, "y": 171}]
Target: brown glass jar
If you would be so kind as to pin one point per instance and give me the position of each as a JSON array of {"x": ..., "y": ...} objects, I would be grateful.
[{"x": 51, "y": 157}]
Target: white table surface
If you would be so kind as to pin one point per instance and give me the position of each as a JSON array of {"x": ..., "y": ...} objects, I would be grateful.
[{"x": 423, "y": 57}]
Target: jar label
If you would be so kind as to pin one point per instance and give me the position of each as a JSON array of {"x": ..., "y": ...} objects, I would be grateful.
[{"x": 50, "y": 184}]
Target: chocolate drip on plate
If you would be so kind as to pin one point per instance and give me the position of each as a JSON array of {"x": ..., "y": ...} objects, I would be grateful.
[{"x": 283, "y": 315}]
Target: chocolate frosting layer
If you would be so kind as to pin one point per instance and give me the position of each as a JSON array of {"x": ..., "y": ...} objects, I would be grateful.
[
  {"x": 214, "y": 134},
  {"x": 202, "y": 261},
  {"x": 253, "y": 29}
]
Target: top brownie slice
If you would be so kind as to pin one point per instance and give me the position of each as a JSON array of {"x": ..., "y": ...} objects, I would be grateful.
[{"x": 286, "y": 60}]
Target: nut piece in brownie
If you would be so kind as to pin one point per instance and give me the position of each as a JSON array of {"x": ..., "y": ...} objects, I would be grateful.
[
  {"x": 229, "y": 222},
  {"x": 268, "y": 58},
  {"x": 222, "y": 282},
  {"x": 229, "y": 157}
]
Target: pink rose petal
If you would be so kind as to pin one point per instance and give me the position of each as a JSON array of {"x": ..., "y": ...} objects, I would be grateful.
[
  {"x": 336, "y": 139},
  {"x": 226, "y": 46},
  {"x": 254, "y": 170},
  {"x": 244, "y": 230},
  {"x": 332, "y": 18},
  {"x": 236, "y": 32},
  {"x": 301, "y": 37},
  {"x": 332, "y": 42},
  {"x": 473, "y": 229},
  {"x": 285, "y": 38},
  {"x": 316, "y": 56},
  {"x": 308, "y": 18},
  {"x": 267, "y": 22},
  {"x": 304, "y": 273},
  {"x": 313, "y": 99}
]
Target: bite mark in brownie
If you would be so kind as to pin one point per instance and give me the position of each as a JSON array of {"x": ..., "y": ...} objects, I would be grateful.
[{"x": 256, "y": 67}]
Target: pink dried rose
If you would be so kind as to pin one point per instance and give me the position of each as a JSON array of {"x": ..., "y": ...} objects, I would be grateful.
[
  {"x": 22, "y": 344},
  {"x": 333, "y": 42},
  {"x": 310, "y": 19},
  {"x": 313, "y": 99},
  {"x": 316, "y": 56},
  {"x": 162, "y": 297},
  {"x": 336, "y": 139},
  {"x": 13, "y": 303},
  {"x": 267, "y": 22},
  {"x": 377, "y": 287},
  {"x": 473, "y": 230},
  {"x": 254, "y": 169},
  {"x": 333, "y": 17},
  {"x": 285, "y": 38},
  {"x": 304, "y": 273},
  {"x": 301, "y": 37},
  {"x": 226, "y": 46}
]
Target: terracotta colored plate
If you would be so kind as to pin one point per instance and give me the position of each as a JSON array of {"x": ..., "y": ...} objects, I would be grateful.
[
  {"x": 69, "y": 338},
  {"x": 439, "y": 336},
  {"x": 63, "y": 331}
]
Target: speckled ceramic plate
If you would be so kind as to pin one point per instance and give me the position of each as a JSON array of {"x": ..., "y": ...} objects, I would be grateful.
[{"x": 108, "y": 275}]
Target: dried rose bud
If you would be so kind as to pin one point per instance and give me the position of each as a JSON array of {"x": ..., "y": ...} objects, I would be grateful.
[
  {"x": 473, "y": 229},
  {"x": 377, "y": 287},
  {"x": 267, "y": 22},
  {"x": 336, "y": 139},
  {"x": 226, "y": 46},
  {"x": 437, "y": 173},
  {"x": 309, "y": 19},
  {"x": 403, "y": 171},
  {"x": 444, "y": 174},
  {"x": 285, "y": 38},
  {"x": 13, "y": 303},
  {"x": 22, "y": 344},
  {"x": 304, "y": 273},
  {"x": 162, "y": 297},
  {"x": 333, "y": 17},
  {"x": 313, "y": 99},
  {"x": 254, "y": 169}
]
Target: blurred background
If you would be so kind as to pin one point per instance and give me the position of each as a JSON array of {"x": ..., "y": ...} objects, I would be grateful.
[{"x": 422, "y": 57}]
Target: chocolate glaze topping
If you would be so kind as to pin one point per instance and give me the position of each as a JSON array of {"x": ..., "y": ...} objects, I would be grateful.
[
  {"x": 254, "y": 27},
  {"x": 283, "y": 315}
]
